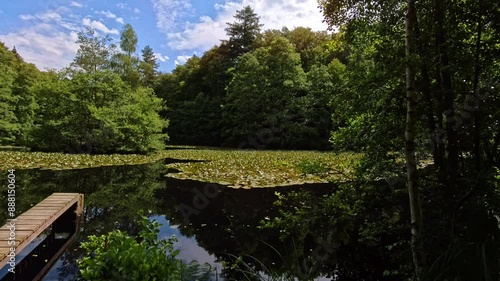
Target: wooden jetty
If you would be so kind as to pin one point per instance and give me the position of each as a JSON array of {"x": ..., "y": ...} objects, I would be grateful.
[{"x": 57, "y": 218}]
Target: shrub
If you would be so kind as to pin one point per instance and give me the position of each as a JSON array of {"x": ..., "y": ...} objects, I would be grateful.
[{"x": 118, "y": 256}]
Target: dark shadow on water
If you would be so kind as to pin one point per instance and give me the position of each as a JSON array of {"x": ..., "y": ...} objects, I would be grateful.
[
  {"x": 173, "y": 160},
  {"x": 214, "y": 223}
]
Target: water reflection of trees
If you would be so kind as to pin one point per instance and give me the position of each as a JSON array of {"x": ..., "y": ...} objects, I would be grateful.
[
  {"x": 311, "y": 244},
  {"x": 113, "y": 195},
  {"x": 230, "y": 227}
]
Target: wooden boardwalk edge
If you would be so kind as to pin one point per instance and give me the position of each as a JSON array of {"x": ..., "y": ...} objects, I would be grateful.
[{"x": 30, "y": 224}]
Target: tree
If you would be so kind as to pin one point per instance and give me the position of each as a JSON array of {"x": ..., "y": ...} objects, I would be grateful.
[
  {"x": 194, "y": 112},
  {"x": 324, "y": 83},
  {"x": 310, "y": 45},
  {"x": 56, "y": 109},
  {"x": 8, "y": 120},
  {"x": 243, "y": 32},
  {"x": 127, "y": 63},
  {"x": 93, "y": 53},
  {"x": 148, "y": 66},
  {"x": 97, "y": 113},
  {"x": 411, "y": 161},
  {"x": 128, "y": 40},
  {"x": 17, "y": 103},
  {"x": 26, "y": 105},
  {"x": 261, "y": 96},
  {"x": 445, "y": 50}
]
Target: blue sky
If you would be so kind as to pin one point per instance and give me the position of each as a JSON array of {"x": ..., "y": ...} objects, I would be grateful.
[{"x": 44, "y": 31}]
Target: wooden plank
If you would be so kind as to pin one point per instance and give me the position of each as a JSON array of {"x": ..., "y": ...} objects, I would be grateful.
[
  {"x": 57, "y": 200},
  {"x": 48, "y": 204},
  {"x": 21, "y": 227},
  {"x": 37, "y": 222},
  {"x": 59, "y": 197},
  {"x": 40, "y": 211},
  {"x": 32, "y": 217},
  {"x": 7, "y": 246},
  {"x": 65, "y": 193},
  {"x": 46, "y": 207},
  {"x": 20, "y": 236},
  {"x": 33, "y": 222}
]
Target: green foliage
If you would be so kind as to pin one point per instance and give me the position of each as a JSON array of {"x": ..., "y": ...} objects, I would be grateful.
[
  {"x": 95, "y": 106},
  {"x": 26, "y": 105},
  {"x": 347, "y": 231},
  {"x": 118, "y": 256},
  {"x": 457, "y": 88},
  {"x": 93, "y": 52},
  {"x": 8, "y": 123},
  {"x": 312, "y": 46},
  {"x": 243, "y": 32},
  {"x": 97, "y": 112},
  {"x": 128, "y": 40},
  {"x": 127, "y": 63},
  {"x": 194, "y": 108},
  {"x": 262, "y": 99},
  {"x": 148, "y": 67},
  {"x": 261, "y": 96},
  {"x": 16, "y": 99}
]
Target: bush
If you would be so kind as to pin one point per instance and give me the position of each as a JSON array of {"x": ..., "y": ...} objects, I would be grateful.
[{"x": 118, "y": 256}]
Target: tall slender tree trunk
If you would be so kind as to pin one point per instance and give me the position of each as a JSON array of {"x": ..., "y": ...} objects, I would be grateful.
[
  {"x": 449, "y": 98},
  {"x": 411, "y": 163},
  {"x": 477, "y": 112},
  {"x": 425, "y": 88}
]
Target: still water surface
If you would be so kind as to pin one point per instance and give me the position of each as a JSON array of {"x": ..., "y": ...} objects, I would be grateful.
[{"x": 213, "y": 224}]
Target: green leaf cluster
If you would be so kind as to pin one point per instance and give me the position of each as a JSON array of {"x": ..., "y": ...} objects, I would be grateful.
[
  {"x": 118, "y": 256},
  {"x": 17, "y": 103},
  {"x": 98, "y": 113}
]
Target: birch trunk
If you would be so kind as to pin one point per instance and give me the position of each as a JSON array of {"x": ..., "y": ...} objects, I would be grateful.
[{"x": 411, "y": 164}]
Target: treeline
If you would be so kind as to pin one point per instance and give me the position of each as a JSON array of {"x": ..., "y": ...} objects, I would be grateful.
[
  {"x": 258, "y": 89},
  {"x": 102, "y": 103}
]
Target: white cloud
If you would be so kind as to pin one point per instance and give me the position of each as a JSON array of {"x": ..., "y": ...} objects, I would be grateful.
[
  {"x": 121, "y": 5},
  {"x": 53, "y": 17},
  {"x": 97, "y": 25},
  {"x": 43, "y": 44},
  {"x": 75, "y": 4},
  {"x": 273, "y": 14},
  {"x": 27, "y": 17},
  {"x": 182, "y": 59},
  {"x": 108, "y": 14},
  {"x": 49, "y": 39},
  {"x": 47, "y": 16},
  {"x": 136, "y": 10},
  {"x": 168, "y": 12},
  {"x": 161, "y": 58}
]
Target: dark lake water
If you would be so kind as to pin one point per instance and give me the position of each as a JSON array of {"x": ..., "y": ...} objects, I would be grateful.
[{"x": 213, "y": 224}]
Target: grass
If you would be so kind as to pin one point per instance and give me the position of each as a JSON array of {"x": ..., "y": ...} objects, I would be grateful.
[{"x": 235, "y": 168}]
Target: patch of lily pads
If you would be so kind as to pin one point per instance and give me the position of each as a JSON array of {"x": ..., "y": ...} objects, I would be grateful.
[
  {"x": 62, "y": 161},
  {"x": 233, "y": 168},
  {"x": 253, "y": 169}
]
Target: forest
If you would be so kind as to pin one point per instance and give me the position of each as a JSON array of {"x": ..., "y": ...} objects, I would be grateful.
[{"x": 412, "y": 85}]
